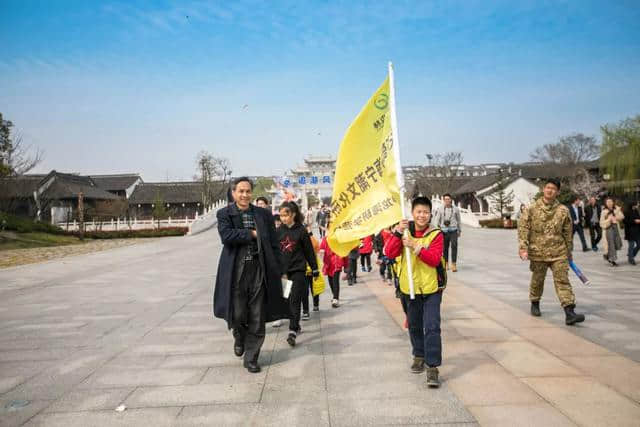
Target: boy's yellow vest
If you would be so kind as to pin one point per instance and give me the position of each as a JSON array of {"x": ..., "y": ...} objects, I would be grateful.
[{"x": 425, "y": 277}]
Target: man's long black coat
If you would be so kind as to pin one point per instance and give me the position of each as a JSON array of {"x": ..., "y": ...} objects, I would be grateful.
[{"x": 233, "y": 236}]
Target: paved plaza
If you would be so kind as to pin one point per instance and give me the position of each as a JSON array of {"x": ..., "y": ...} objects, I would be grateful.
[{"x": 132, "y": 326}]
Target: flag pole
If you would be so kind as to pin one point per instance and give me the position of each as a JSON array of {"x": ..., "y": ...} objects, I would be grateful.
[{"x": 399, "y": 175}]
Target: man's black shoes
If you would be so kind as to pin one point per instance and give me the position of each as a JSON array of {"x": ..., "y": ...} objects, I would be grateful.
[
  {"x": 238, "y": 348},
  {"x": 252, "y": 366},
  {"x": 571, "y": 316},
  {"x": 535, "y": 308}
]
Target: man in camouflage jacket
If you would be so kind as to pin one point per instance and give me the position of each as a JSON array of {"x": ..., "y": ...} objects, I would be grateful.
[{"x": 545, "y": 237}]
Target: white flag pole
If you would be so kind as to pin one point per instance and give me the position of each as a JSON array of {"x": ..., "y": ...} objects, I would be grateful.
[{"x": 399, "y": 175}]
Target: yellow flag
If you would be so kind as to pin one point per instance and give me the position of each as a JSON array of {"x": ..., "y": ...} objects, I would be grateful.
[{"x": 366, "y": 195}]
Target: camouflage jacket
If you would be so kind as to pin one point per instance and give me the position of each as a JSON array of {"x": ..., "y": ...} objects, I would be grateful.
[{"x": 546, "y": 231}]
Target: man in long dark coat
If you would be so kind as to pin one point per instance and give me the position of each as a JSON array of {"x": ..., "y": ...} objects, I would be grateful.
[{"x": 248, "y": 289}]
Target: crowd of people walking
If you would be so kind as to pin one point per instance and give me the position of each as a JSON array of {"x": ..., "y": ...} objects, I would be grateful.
[{"x": 271, "y": 262}]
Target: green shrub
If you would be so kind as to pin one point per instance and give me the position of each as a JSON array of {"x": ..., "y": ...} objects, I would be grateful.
[
  {"x": 129, "y": 234},
  {"x": 496, "y": 223},
  {"x": 27, "y": 225}
]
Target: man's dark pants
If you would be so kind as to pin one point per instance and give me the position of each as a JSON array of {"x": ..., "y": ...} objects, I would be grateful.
[
  {"x": 595, "y": 232},
  {"x": 249, "y": 310},
  {"x": 353, "y": 270},
  {"x": 424, "y": 327},
  {"x": 295, "y": 299},
  {"x": 577, "y": 228},
  {"x": 451, "y": 238}
]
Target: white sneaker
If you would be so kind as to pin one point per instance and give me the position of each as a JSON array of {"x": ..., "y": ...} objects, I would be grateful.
[
  {"x": 276, "y": 324},
  {"x": 335, "y": 303}
]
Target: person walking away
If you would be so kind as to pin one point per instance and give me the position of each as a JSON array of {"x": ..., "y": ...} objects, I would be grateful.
[
  {"x": 447, "y": 218},
  {"x": 592, "y": 221},
  {"x": 248, "y": 288},
  {"x": 610, "y": 220},
  {"x": 545, "y": 239},
  {"x": 426, "y": 244},
  {"x": 366, "y": 248},
  {"x": 296, "y": 252},
  {"x": 577, "y": 218},
  {"x": 352, "y": 270},
  {"x": 632, "y": 231},
  {"x": 333, "y": 264},
  {"x": 385, "y": 263},
  {"x": 322, "y": 219},
  {"x": 309, "y": 278}
]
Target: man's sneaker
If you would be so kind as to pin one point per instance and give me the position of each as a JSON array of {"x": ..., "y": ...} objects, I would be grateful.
[
  {"x": 335, "y": 303},
  {"x": 350, "y": 282},
  {"x": 632, "y": 261},
  {"x": 276, "y": 324},
  {"x": 316, "y": 308},
  {"x": 364, "y": 270},
  {"x": 369, "y": 269},
  {"x": 417, "y": 367},
  {"x": 432, "y": 377},
  {"x": 291, "y": 339},
  {"x": 571, "y": 316},
  {"x": 535, "y": 308},
  {"x": 305, "y": 316},
  {"x": 454, "y": 267}
]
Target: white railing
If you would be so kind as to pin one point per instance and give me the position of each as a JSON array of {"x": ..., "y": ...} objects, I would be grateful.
[{"x": 207, "y": 220}]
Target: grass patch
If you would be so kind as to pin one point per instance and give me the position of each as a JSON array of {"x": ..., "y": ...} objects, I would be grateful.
[{"x": 10, "y": 240}]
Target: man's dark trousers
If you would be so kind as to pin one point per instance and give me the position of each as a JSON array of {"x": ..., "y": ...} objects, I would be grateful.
[
  {"x": 595, "y": 232},
  {"x": 424, "y": 327},
  {"x": 577, "y": 228},
  {"x": 451, "y": 239},
  {"x": 248, "y": 310}
]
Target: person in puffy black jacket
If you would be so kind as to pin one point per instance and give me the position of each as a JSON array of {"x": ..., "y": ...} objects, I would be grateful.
[{"x": 296, "y": 251}]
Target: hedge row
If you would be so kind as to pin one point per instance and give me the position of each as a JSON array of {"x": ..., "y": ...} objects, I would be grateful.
[
  {"x": 496, "y": 223},
  {"x": 27, "y": 225},
  {"x": 128, "y": 234}
]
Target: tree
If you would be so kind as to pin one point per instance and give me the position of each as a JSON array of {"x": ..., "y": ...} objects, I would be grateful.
[
  {"x": 569, "y": 150},
  {"x": 15, "y": 158},
  {"x": 160, "y": 211},
  {"x": 214, "y": 173},
  {"x": 501, "y": 198},
  {"x": 438, "y": 176},
  {"x": 621, "y": 151}
]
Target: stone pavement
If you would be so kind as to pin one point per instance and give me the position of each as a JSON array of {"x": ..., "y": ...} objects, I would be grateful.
[{"x": 133, "y": 326}]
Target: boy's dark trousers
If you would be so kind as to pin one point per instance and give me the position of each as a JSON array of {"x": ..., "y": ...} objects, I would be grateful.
[
  {"x": 424, "y": 327},
  {"x": 365, "y": 259},
  {"x": 353, "y": 270},
  {"x": 295, "y": 299},
  {"x": 309, "y": 290},
  {"x": 334, "y": 282}
]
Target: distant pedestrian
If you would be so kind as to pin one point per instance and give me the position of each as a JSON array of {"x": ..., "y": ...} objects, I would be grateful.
[
  {"x": 632, "y": 231},
  {"x": 592, "y": 213},
  {"x": 322, "y": 219},
  {"x": 332, "y": 266},
  {"x": 610, "y": 221},
  {"x": 383, "y": 261},
  {"x": 577, "y": 218},
  {"x": 296, "y": 252},
  {"x": 426, "y": 247},
  {"x": 352, "y": 270},
  {"x": 248, "y": 288},
  {"x": 447, "y": 218},
  {"x": 366, "y": 249},
  {"x": 545, "y": 238}
]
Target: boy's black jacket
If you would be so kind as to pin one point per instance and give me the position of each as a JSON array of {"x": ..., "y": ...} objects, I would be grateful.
[{"x": 296, "y": 249}]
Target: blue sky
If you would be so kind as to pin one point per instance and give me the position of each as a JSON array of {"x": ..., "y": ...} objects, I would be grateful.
[{"x": 142, "y": 86}]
